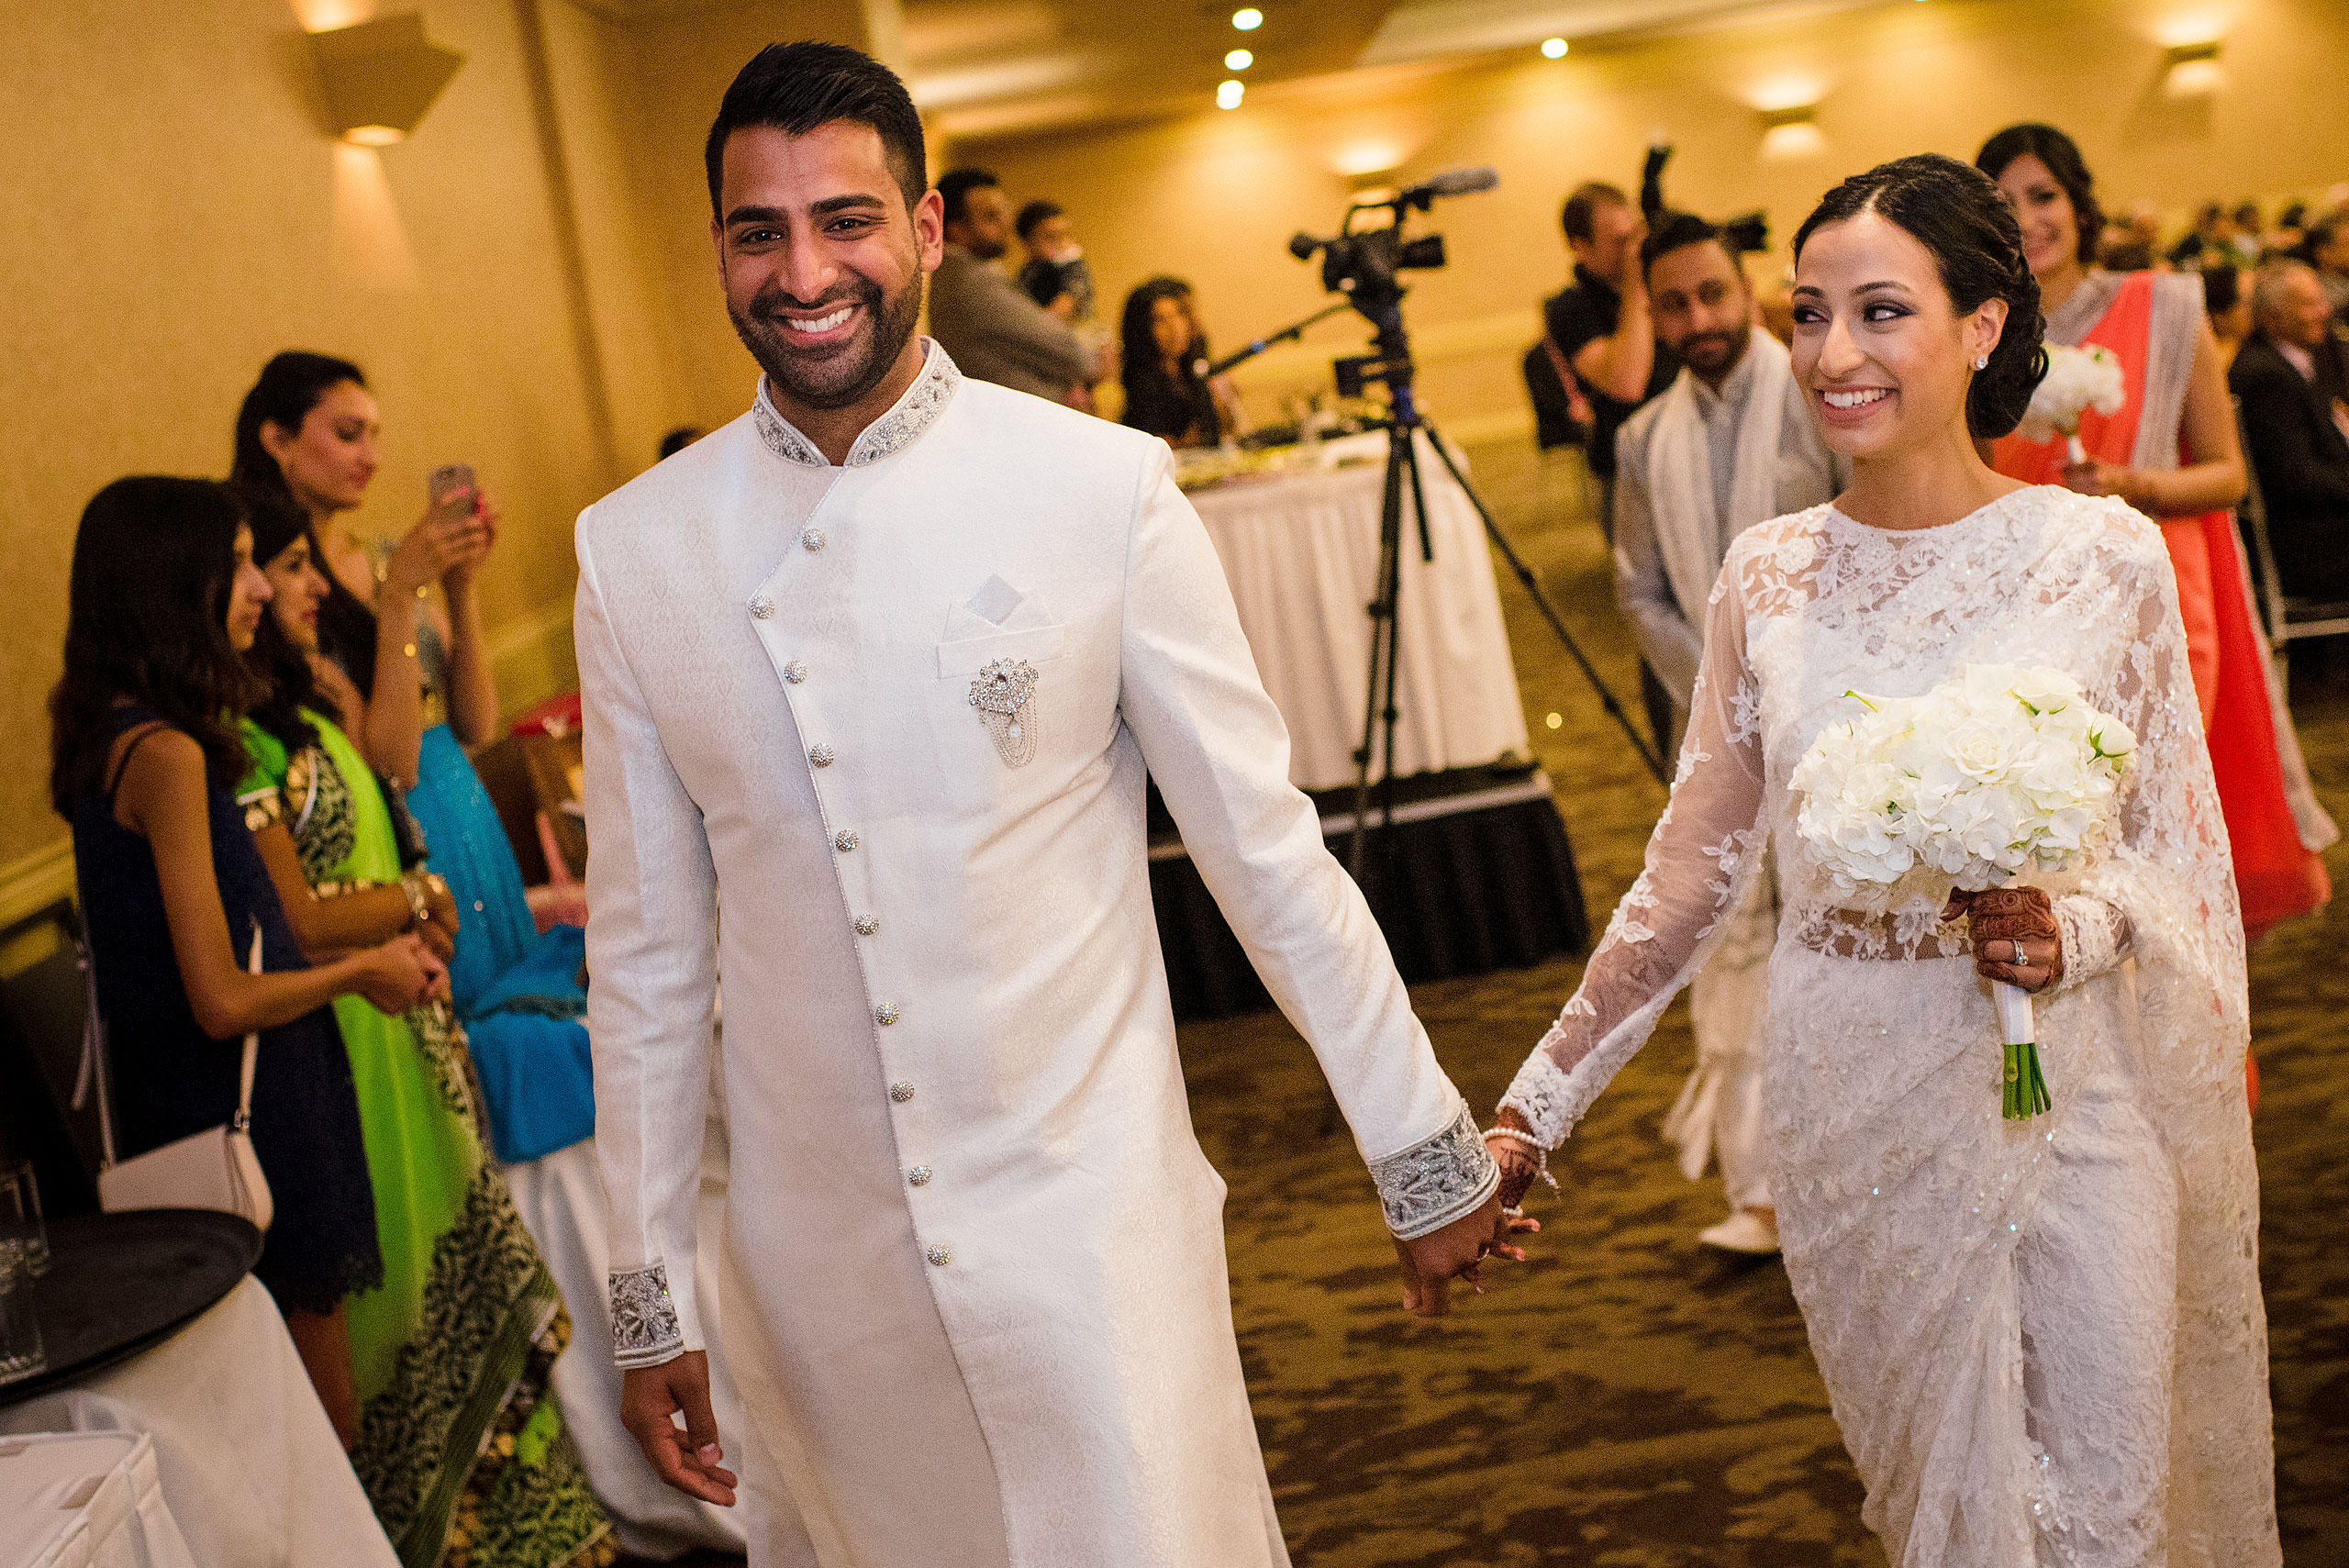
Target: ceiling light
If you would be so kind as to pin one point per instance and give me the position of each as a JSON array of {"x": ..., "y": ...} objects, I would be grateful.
[
  {"x": 1239, "y": 60},
  {"x": 1248, "y": 19},
  {"x": 1228, "y": 95},
  {"x": 1554, "y": 48}
]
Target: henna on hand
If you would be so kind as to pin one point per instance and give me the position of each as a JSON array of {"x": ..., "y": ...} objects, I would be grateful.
[{"x": 2014, "y": 915}]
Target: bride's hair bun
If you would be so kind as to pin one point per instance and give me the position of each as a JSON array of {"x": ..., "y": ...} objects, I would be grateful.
[{"x": 1956, "y": 213}]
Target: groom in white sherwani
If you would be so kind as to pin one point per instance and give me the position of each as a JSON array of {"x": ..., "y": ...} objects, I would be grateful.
[{"x": 873, "y": 676}]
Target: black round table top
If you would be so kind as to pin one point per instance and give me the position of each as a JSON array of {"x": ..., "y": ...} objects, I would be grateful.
[{"x": 119, "y": 1282}]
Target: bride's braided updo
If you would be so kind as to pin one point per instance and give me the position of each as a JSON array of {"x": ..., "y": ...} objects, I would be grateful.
[{"x": 1956, "y": 213}]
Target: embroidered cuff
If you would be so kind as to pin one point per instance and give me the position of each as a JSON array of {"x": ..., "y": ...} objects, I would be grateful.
[
  {"x": 1437, "y": 1180},
  {"x": 644, "y": 1321}
]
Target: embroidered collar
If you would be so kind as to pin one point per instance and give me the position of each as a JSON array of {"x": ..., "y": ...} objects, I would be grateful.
[{"x": 893, "y": 432}]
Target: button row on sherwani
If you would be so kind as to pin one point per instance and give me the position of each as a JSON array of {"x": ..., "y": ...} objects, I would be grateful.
[
  {"x": 823, "y": 756},
  {"x": 763, "y": 607},
  {"x": 884, "y": 1015},
  {"x": 866, "y": 925},
  {"x": 939, "y": 1256},
  {"x": 901, "y": 1090},
  {"x": 919, "y": 1176},
  {"x": 843, "y": 841},
  {"x": 812, "y": 539},
  {"x": 795, "y": 671}
]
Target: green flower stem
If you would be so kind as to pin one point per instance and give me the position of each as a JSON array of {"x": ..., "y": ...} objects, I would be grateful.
[{"x": 2024, "y": 1092}]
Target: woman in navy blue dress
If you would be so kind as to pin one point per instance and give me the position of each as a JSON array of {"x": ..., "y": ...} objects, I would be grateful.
[{"x": 144, "y": 753}]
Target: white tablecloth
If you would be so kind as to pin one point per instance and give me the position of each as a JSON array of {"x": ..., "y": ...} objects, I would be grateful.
[
  {"x": 249, "y": 1462},
  {"x": 85, "y": 1500},
  {"x": 1301, "y": 553}
]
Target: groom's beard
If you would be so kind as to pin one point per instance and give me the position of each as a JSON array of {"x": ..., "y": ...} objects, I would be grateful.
[
  {"x": 1713, "y": 354},
  {"x": 837, "y": 375}
]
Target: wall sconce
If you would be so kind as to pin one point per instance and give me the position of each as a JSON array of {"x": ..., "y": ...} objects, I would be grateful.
[
  {"x": 380, "y": 76},
  {"x": 1791, "y": 132},
  {"x": 2190, "y": 69}
]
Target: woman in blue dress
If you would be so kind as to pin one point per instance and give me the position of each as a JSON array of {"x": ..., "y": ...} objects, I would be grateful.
[{"x": 144, "y": 752}]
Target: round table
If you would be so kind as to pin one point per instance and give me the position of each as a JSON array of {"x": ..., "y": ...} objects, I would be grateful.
[{"x": 1300, "y": 551}]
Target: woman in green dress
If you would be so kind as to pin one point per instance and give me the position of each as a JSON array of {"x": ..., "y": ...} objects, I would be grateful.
[{"x": 461, "y": 1448}]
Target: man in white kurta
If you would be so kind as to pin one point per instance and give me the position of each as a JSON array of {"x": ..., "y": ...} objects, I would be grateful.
[
  {"x": 873, "y": 676},
  {"x": 1729, "y": 444}
]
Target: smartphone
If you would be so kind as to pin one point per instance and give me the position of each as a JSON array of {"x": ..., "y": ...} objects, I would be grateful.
[{"x": 453, "y": 480}]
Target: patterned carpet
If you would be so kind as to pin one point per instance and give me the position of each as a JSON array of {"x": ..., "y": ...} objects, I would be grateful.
[{"x": 1624, "y": 1399}]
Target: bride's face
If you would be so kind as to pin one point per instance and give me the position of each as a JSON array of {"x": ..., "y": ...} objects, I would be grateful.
[{"x": 1886, "y": 358}]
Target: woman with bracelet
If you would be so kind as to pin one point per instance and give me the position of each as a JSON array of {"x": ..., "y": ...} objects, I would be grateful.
[
  {"x": 164, "y": 600},
  {"x": 2044, "y": 1337},
  {"x": 2170, "y": 452},
  {"x": 455, "y": 1347}
]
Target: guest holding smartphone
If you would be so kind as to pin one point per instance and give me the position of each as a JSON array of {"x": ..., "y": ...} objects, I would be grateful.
[{"x": 144, "y": 750}]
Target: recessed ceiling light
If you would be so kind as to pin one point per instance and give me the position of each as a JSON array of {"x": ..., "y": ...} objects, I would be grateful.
[
  {"x": 1228, "y": 96},
  {"x": 1554, "y": 48},
  {"x": 1239, "y": 60},
  {"x": 1248, "y": 19}
]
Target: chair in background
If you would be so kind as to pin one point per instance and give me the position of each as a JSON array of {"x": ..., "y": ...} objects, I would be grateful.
[
  {"x": 48, "y": 1114},
  {"x": 2286, "y": 619}
]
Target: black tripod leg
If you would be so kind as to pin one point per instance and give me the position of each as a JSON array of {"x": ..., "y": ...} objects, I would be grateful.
[
  {"x": 1379, "y": 694},
  {"x": 1395, "y": 634},
  {"x": 1533, "y": 586}
]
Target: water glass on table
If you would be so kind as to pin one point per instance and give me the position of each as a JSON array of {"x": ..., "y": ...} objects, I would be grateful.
[{"x": 20, "y": 1213}]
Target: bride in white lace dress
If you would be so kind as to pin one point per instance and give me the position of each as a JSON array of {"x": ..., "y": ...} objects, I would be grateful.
[{"x": 2043, "y": 1339}]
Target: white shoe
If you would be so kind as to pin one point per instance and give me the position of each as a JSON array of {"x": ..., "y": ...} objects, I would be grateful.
[{"x": 1743, "y": 1231}]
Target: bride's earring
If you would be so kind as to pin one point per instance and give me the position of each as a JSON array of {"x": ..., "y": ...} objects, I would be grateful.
[{"x": 1982, "y": 363}]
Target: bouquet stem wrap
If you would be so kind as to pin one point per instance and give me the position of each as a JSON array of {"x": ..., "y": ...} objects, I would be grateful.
[
  {"x": 2077, "y": 452},
  {"x": 2024, "y": 1092}
]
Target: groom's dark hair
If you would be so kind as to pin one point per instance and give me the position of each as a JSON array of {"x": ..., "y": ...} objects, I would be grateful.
[{"x": 795, "y": 87}]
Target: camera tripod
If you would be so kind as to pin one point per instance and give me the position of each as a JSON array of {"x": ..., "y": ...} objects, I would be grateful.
[{"x": 1403, "y": 424}]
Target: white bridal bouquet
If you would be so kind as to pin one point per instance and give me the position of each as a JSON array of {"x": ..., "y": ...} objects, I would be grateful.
[
  {"x": 1999, "y": 771},
  {"x": 2077, "y": 380}
]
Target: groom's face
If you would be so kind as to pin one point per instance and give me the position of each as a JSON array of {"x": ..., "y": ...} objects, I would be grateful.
[{"x": 822, "y": 260}]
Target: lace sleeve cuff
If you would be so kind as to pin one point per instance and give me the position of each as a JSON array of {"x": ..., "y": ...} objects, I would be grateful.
[
  {"x": 1435, "y": 1181},
  {"x": 2095, "y": 935},
  {"x": 644, "y": 1321},
  {"x": 1547, "y": 1097}
]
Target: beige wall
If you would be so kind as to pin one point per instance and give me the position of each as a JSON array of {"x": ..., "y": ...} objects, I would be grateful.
[
  {"x": 1215, "y": 197},
  {"x": 526, "y": 281}
]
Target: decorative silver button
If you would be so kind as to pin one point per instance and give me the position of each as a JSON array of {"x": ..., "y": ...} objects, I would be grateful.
[
  {"x": 901, "y": 1092},
  {"x": 919, "y": 1175},
  {"x": 763, "y": 607},
  {"x": 821, "y": 755},
  {"x": 866, "y": 925},
  {"x": 795, "y": 672},
  {"x": 884, "y": 1015},
  {"x": 843, "y": 841},
  {"x": 812, "y": 539},
  {"x": 939, "y": 1256}
]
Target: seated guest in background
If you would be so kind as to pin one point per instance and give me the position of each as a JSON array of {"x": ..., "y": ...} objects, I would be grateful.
[
  {"x": 979, "y": 316},
  {"x": 1600, "y": 324},
  {"x": 1731, "y": 443},
  {"x": 2290, "y": 378},
  {"x": 2328, "y": 252},
  {"x": 1163, "y": 349},
  {"x": 678, "y": 439},
  {"x": 2229, "y": 309},
  {"x": 453, "y": 1348},
  {"x": 1055, "y": 274},
  {"x": 520, "y": 995},
  {"x": 2202, "y": 243},
  {"x": 2125, "y": 253},
  {"x": 144, "y": 750},
  {"x": 2170, "y": 452}
]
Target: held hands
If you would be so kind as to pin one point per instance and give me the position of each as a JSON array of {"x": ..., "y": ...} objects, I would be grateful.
[
  {"x": 1432, "y": 1262},
  {"x": 2016, "y": 938},
  {"x": 651, "y": 1397}
]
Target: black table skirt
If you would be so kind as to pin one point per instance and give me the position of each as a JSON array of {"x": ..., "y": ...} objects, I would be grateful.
[{"x": 1474, "y": 875}]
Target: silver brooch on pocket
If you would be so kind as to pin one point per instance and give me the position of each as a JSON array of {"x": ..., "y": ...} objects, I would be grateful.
[{"x": 1005, "y": 694}]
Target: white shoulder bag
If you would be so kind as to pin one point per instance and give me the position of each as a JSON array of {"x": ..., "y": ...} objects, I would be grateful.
[{"x": 213, "y": 1168}]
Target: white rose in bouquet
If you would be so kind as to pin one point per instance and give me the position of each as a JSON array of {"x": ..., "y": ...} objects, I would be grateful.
[
  {"x": 2076, "y": 381},
  {"x": 1999, "y": 771}
]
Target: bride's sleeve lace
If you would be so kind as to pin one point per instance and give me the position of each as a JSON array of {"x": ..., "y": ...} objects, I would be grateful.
[{"x": 1706, "y": 848}]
